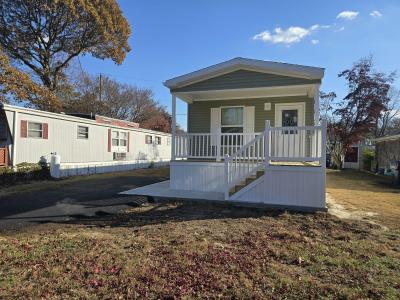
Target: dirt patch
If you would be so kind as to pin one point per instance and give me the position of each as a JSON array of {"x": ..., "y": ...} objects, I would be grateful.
[
  {"x": 338, "y": 210},
  {"x": 364, "y": 196}
]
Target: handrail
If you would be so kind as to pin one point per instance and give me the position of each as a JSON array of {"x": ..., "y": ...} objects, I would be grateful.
[
  {"x": 241, "y": 149},
  {"x": 247, "y": 160}
]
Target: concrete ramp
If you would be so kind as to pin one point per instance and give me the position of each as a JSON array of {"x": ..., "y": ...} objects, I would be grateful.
[{"x": 163, "y": 190}]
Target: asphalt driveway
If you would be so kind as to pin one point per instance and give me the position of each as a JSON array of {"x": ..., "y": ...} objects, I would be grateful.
[{"x": 54, "y": 201}]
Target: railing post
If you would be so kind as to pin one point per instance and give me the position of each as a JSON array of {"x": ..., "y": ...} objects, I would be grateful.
[
  {"x": 323, "y": 143},
  {"x": 219, "y": 145},
  {"x": 226, "y": 176},
  {"x": 266, "y": 143}
]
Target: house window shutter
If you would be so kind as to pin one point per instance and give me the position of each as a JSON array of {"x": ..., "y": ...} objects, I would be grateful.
[
  {"x": 24, "y": 129},
  {"x": 109, "y": 140},
  {"x": 249, "y": 112},
  {"x": 129, "y": 141},
  {"x": 45, "y": 131},
  {"x": 215, "y": 124}
]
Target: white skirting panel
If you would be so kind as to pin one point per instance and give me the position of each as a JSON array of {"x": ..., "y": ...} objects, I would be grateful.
[
  {"x": 75, "y": 169},
  {"x": 287, "y": 186},
  {"x": 197, "y": 176}
]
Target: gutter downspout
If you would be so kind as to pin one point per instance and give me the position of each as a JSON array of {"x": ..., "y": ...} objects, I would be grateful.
[{"x": 14, "y": 140}]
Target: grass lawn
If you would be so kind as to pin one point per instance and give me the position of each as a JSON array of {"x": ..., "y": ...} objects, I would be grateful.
[
  {"x": 361, "y": 191},
  {"x": 186, "y": 250}
]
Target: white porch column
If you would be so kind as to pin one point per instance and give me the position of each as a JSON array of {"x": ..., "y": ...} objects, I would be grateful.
[
  {"x": 316, "y": 104},
  {"x": 173, "y": 127}
]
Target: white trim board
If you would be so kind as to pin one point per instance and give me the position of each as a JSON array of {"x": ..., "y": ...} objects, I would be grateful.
[{"x": 305, "y": 90}]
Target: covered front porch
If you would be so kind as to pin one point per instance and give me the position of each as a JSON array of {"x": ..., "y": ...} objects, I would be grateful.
[{"x": 253, "y": 134}]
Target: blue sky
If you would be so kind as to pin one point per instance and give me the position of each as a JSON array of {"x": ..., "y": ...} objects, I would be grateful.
[{"x": 171, "y": 38}]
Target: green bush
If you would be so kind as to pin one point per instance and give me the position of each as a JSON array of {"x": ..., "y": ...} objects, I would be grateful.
[
  {"x": 24, "y": 172},
  {"x": 368, "y": 158}
]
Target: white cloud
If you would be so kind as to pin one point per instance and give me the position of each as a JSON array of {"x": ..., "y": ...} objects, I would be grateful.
[
  {"x": 293, "y": 34},
  {"x": 347, "y": 15},
  {"x": 340, "y": 29},
  {"x": 376, "y": 14},
  {"x": 314, "y": 42}
]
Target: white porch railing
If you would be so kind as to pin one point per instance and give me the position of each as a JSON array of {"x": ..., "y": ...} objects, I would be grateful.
[
  {"x": 245, "y": 153},
  {"x": 297, "y": 144},
  {"x": 209, "y": 145}
]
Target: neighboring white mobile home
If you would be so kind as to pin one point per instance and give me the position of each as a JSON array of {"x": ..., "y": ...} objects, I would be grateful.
[
  {"x": 254, "y": 136},
  {"x": 83, "y": 142}
]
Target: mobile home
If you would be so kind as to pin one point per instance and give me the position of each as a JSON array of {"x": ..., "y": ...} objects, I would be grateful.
[
  {"x": 85, "y": 143},
  {"x": 254, "y": 136}
]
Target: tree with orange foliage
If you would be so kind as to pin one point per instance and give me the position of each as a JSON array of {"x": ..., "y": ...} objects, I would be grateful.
[
  {"x": 45, "y": 35},
  {"x": 18, "y": 86}
]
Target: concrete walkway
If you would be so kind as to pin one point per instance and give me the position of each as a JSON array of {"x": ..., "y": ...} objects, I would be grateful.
[{"x": 162, "y": 189}]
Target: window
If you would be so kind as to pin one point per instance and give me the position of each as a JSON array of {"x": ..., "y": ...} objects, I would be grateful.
[
  {"x": 115, "y": 138},
  {"x": 158, "y": 140},
  {"x": 351, "y": 155},
  {"x": 35, "y": 130},
  {"x": 83, "y": 132},
  {"x": 149, "y": 139},
  {"x": 119, "y": 138},
  {"x": 168, "y": 141},
  {"x": 123, "y": 139},
  {"x": 290, "y": 119},
  {"x": 231, "y": 119}
]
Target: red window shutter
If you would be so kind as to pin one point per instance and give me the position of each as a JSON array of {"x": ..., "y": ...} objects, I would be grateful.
[
  {"x": 129, "y": 140},
  {"x": 24, "y": 129},
  {"x": 45, "y": 131},
  {"x": 109, "y": 140}
]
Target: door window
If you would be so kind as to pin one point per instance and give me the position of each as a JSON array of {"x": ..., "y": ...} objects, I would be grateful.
[{"x": 290, "y": 119}]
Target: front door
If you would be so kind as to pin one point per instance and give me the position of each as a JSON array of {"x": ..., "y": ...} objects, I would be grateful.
[{"x": 286, "y": 142}]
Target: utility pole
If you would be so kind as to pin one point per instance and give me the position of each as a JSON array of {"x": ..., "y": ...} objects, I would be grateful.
[{"x": 100, "y": 87}]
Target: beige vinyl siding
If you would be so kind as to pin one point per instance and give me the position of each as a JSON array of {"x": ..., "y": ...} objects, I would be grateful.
[
  {"x": 199, "y": 112},
  {"x": 244, "y": 79}
]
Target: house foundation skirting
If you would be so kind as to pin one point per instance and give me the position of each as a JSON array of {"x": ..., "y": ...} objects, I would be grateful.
[{"x": 280, "y": 185}]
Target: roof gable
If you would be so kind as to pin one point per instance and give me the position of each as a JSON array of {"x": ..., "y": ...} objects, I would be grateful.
[
  {"x": 260, "y": 66},
  {"x": 242, "y": 78}
]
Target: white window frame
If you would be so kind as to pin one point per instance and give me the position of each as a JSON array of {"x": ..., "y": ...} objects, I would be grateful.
[
  {"x": 151, "y": 139},
  {"x": 119, "y": 147},
  {"x": 87, "y": 132},
  {"x": 34, "y": 130},
  {"x": 157, "y": 140},
  {"x": 232, "y": 106}
]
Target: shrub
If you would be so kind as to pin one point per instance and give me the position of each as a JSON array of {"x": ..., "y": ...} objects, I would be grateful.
[
  {"x": 24, "y": 172},
  {"x": 368, "y": 157}
]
